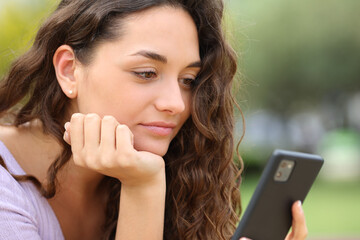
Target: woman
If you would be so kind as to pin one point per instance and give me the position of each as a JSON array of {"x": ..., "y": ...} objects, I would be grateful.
[{"x": 144, "y": 89}]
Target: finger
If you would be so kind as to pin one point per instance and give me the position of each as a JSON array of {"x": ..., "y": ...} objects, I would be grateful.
[
  {"x": 299, "y": 229},
  {"x": 124, "y": 137},
  {"x": 92, "y": 124},
  {"x": 77, "y": 132},
  {"x": 66, "y": 136},
  {"x": 108, "y": 133}
]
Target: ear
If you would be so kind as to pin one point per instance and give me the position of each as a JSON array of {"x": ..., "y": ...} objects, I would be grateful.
[{"x": 65, "y": 65}]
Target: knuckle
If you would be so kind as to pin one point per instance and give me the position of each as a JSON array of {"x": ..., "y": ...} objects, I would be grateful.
[
  {"x": 121, "y": 128},
  {"x": 107, "y": 159},
  {"x": 92, "y": 117},
  {"x": 106, "y": 163},
  {"x": 109, "y": 118},
  {"x": 77, "y": 117},
  {"x": 92, "y": 161},
  {"x": 127, "y": 160},
  {"x": 306, "y": 232}
]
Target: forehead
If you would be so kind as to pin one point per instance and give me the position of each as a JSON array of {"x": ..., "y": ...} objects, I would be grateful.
[
  {"x": 158, "y": 14},
  {"x": 164, "y": 28}
]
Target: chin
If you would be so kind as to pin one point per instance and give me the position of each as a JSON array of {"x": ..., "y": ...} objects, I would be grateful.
[{"x": 153, "y": 147}]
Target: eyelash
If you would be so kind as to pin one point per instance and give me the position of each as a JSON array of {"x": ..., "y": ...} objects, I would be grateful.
[
  {"x": 190, "y": 84},
  {"x": 142, "y": 75}
]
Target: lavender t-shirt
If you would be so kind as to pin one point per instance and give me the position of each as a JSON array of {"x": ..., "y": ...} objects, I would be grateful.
[{"x": 24, "y": 213}]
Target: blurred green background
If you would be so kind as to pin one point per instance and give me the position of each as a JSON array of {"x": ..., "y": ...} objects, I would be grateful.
[
  {"x": 299, "y": 65},
  {"x": 300, "y": 90}
]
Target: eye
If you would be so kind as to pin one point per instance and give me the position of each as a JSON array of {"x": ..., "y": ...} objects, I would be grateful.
[
  {"x": 187, "y": 82},
  {"x": 147, "y": 75}
]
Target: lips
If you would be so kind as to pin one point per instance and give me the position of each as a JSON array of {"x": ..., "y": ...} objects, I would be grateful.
[{"x": 159, "y": 128}]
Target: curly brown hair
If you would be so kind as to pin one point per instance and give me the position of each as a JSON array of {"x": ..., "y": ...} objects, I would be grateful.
[{"x": 203, "y": 198}]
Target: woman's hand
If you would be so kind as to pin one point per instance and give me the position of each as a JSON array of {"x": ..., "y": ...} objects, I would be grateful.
[
  {"x": 299, "y": 230},
  {"x": 106, "y": 146}
]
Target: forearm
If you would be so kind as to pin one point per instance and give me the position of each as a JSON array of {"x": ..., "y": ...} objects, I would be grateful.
[{"x": 141, "y": 213}]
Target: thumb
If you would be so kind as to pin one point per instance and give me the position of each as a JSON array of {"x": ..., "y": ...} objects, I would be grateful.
[{"x": 299, "y": 229}]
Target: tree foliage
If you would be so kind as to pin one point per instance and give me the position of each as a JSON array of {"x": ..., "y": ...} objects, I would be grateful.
[
  {"x": 296, "y": 53},
  {"x": 19, "y": 21}
]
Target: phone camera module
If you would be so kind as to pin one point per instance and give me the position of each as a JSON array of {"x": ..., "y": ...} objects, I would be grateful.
[{"x": 284, "y": 170}]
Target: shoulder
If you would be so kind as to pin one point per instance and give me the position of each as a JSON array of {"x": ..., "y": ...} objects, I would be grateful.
[
  {"x": 11, "y": 192},
  {"x": 14, "y": 195},
  {"x": 7, "y": 140},
  {"x": 33, "y": 150},
  {"x": 17, "y": 214},
  {"x": 10, "y": 139},
  {"x": 24, "y": 213},
  {"x": 6, "y": 132}
]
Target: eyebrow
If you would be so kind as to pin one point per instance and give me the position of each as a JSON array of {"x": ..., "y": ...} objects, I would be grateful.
[
  {"x": 160, "y": 58},
  {"x": 151, "y": 55}
]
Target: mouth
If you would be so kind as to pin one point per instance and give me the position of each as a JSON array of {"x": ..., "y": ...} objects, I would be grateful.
[{"x": 159, "y": 128}]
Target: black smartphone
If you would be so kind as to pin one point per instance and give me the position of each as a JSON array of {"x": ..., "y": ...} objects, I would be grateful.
[{"x": 287, "y": 177}]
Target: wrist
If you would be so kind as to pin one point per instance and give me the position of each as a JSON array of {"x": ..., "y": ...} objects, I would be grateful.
[
  {"x": 155, "y": 185},
  {"x": 142, "y": 205}
]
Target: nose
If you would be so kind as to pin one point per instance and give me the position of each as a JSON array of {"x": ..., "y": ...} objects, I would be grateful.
[{"x": 171, "y": 97}]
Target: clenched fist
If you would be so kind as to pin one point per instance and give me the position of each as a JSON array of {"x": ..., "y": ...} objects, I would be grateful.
[{"x": 106, "y": 146}]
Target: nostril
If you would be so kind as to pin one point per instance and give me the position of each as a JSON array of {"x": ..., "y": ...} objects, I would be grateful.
[{"x": 171, "y": 102}]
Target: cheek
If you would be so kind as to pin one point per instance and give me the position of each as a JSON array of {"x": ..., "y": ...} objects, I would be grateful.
[
  {"x": 187, "y": 98},
  {"x": 106, "y": 96}
]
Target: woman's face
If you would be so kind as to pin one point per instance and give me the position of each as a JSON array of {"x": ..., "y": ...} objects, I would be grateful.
[{"x": 143, "y": 79}]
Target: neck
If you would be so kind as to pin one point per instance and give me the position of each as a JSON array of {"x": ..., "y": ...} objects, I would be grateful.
[
  {"x": 79, "y": 203},
  {"x": 79, "y": 180}
]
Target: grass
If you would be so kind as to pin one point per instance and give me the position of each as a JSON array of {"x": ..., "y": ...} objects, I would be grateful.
[{"x": 332, "y": 209}]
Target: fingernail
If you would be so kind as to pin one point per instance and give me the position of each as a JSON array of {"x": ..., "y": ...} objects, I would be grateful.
[
  {"x": 299, "y": 206},
  {"x": 66, "y": 125}
]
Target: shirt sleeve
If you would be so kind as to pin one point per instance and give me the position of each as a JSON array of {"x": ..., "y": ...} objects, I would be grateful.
[{"x": 17, "y": 215}]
